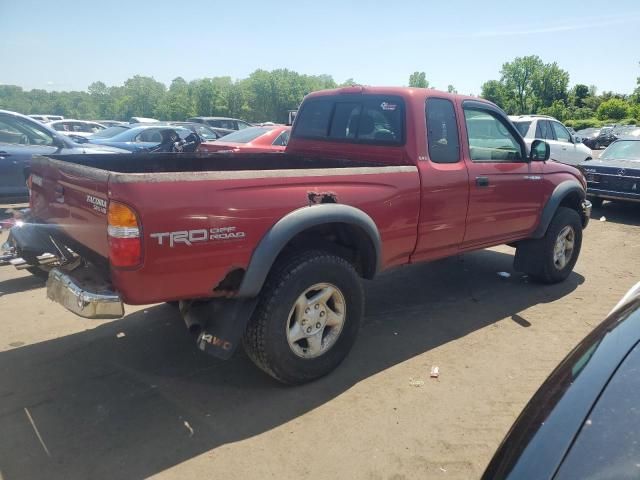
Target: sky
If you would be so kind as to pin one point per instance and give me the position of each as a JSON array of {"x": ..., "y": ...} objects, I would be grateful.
[{"x": 66, "y": 45}]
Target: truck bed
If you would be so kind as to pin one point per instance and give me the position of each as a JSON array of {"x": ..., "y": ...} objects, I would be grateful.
[{"x": 186, "y": 192}]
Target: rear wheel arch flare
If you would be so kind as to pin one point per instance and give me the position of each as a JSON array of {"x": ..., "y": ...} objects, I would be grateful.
[{"x": 303, "y": 223}]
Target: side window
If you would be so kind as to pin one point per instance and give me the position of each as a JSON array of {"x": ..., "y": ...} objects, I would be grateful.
[
  {"x": 313, "y": 121},
  {"x": 242, "y": 125},
  {"x": 344, "y": 123},
  {"x": 32, "y": 132},
  {"x": 442, "y": 131},
  {"x": 150, "y": 135},
  {"x": 544, "y": 131},
  {"x": 489, "y": 138},
  {"x": 562, "y": 134},
  {"x": 282, "y": 139},
  {"x": 9, "y": 134}
]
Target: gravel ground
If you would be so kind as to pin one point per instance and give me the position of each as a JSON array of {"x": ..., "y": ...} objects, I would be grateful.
[{"x": 80, "y": 400}]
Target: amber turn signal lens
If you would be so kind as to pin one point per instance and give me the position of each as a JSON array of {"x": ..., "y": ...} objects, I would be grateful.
[{"x": 121, "y": 216}]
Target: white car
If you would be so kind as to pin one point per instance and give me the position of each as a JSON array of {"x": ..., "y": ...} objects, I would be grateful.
[
  {"x": 81, "y": 128},
  {"x": 46, "y": 118},
  {"x": 565, "y": 147}
]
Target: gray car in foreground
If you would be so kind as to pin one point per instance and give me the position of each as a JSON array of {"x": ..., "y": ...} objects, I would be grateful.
[{"x": 22, "y": 137}]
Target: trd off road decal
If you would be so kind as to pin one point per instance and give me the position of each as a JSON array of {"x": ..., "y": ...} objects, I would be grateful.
[{"x": 189, "y": 237}]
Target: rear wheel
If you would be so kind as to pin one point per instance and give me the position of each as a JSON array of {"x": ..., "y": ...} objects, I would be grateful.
[{"x": 307, "y": 318}]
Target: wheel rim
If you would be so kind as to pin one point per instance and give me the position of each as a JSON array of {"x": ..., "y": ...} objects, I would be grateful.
[
  {"x": 563, "y": 250},
  {"x": 316, "y": 320}
]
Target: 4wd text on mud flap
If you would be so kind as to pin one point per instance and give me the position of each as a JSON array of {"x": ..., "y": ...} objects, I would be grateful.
[
  {"x": 215, "y": 341},
  {"x": 189, "y": 237}
]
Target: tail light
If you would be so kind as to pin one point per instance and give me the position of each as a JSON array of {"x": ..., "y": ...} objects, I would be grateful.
[{"x": 125, "y": 244}]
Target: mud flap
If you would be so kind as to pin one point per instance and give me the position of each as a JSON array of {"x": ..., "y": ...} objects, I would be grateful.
[
  {"x": 528, "y": 257},
  {"x": 223, "y": 323}
]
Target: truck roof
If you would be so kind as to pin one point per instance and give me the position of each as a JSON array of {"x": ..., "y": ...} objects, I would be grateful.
[{"x": 405, "y": 92}]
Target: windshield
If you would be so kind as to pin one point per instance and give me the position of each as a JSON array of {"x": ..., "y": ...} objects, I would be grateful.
[
  {"x": 622, "y": 149},
  {"x": 523, "y": 127},
  {"x": 109, "y": 132},
  {"x": 246, "y": 135}
]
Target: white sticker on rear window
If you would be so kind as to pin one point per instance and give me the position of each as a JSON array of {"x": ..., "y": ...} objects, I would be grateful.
[{"x": 388, "y": 106}]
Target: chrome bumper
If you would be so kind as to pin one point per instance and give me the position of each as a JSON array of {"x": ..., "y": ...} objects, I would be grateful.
[
  {"x": 586, "y": 212},
  {"x": 79, "y": 293}
]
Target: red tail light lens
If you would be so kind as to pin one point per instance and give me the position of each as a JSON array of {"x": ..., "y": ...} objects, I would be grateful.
[{"x": 125, "y": 248}]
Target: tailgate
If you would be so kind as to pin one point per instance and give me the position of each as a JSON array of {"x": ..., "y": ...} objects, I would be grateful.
[{"x": 73, "y": 197}]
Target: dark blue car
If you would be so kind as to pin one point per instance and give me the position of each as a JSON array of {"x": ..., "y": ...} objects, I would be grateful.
[
  {"x": 138, "y": 139},
  {"x": 22, "y": 137}
]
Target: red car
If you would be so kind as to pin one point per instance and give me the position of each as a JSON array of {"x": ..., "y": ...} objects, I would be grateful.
[
  {"x": 272, "y": 249},
  {"x": 272, "y": 138}
]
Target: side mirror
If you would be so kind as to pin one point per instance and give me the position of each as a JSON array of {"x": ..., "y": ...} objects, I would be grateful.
[
  {"x": 577, "y": 139},
  {"x": 540, "y": 151}
]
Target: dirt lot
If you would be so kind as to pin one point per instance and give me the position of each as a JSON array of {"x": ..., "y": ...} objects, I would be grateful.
[{"x": 149, "y": 404}]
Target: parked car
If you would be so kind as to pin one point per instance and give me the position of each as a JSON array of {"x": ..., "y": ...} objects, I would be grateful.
[
  {"x": 111, "y": 123},
  {"x": 616, "y": 174},
  {"x": 221, "y": 122},
  {"x": 600, "y": 138},
  {"x": 21, "y": 137},
  {"x": 272, "y": 248},
  {"x": 142, "y": 120},
  {"x": 204, "y": 131},
  {"x": 565, "y": 147},
  {"x": 80, "y": 128},
  {"x": 46, "y": 118},
  {"x": 139, "y": 138},
  {"x": 111, "y": 131},
  {"x": 251, "y": 140},
  {"x": 584, "y": 421}
]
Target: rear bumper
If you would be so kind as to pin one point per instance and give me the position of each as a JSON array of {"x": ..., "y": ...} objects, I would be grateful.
[{"x": 80, "y": 293}]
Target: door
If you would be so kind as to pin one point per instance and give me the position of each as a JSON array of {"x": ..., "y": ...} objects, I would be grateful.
[
  {"x": 568, "y": 150},
  {"x": 505, "y": 188},
  {"x": 544, "y": 131},
  {"x": 444, "y": 183},
  {"x": 19, "y": 140}
]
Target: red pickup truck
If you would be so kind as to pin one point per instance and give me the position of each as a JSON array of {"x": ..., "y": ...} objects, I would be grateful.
[{"x": 271, "y": 249}]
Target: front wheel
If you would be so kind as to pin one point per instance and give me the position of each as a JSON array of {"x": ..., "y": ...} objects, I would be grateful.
[
  {"x": 307, "y": 318},
  {"x": 551, "y": 259}
]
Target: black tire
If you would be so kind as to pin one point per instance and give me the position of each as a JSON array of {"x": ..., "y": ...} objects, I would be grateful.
[
  {"x": 265, "y": 339},
  {"x": 596, "y": 201},
  {"x": 539, "y": 254}
]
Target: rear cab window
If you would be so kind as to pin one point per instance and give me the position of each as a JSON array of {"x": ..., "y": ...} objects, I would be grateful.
[{"x": 368, "y": 119}]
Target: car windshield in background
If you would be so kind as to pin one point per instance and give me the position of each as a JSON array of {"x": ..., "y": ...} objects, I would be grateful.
[
  {"x": 523, "y": 127},
  {"x": 109, "y": 132},
  {"x": 246, "y": 135},
  {"x": 622, "y": 150}
]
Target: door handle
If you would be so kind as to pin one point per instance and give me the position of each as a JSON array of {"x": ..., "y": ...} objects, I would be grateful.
[
  {"x": 4, "y": 155},
  {"x": 482, "y": 181}
]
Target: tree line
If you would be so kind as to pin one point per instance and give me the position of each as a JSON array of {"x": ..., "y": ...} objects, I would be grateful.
[{"x": 526, "y": 85}]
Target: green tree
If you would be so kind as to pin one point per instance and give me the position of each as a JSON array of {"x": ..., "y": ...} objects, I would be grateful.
[
  {"x": 451, "y": 89},
  {"x": 495, "y": 92},
  {"x": 520, "y": 78},
  {"x": 549, "y": 84},
  {"x": 418, "y": 80},
  {"x": 613, "y": 109},
  {"x": 578, "y": 94}
]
